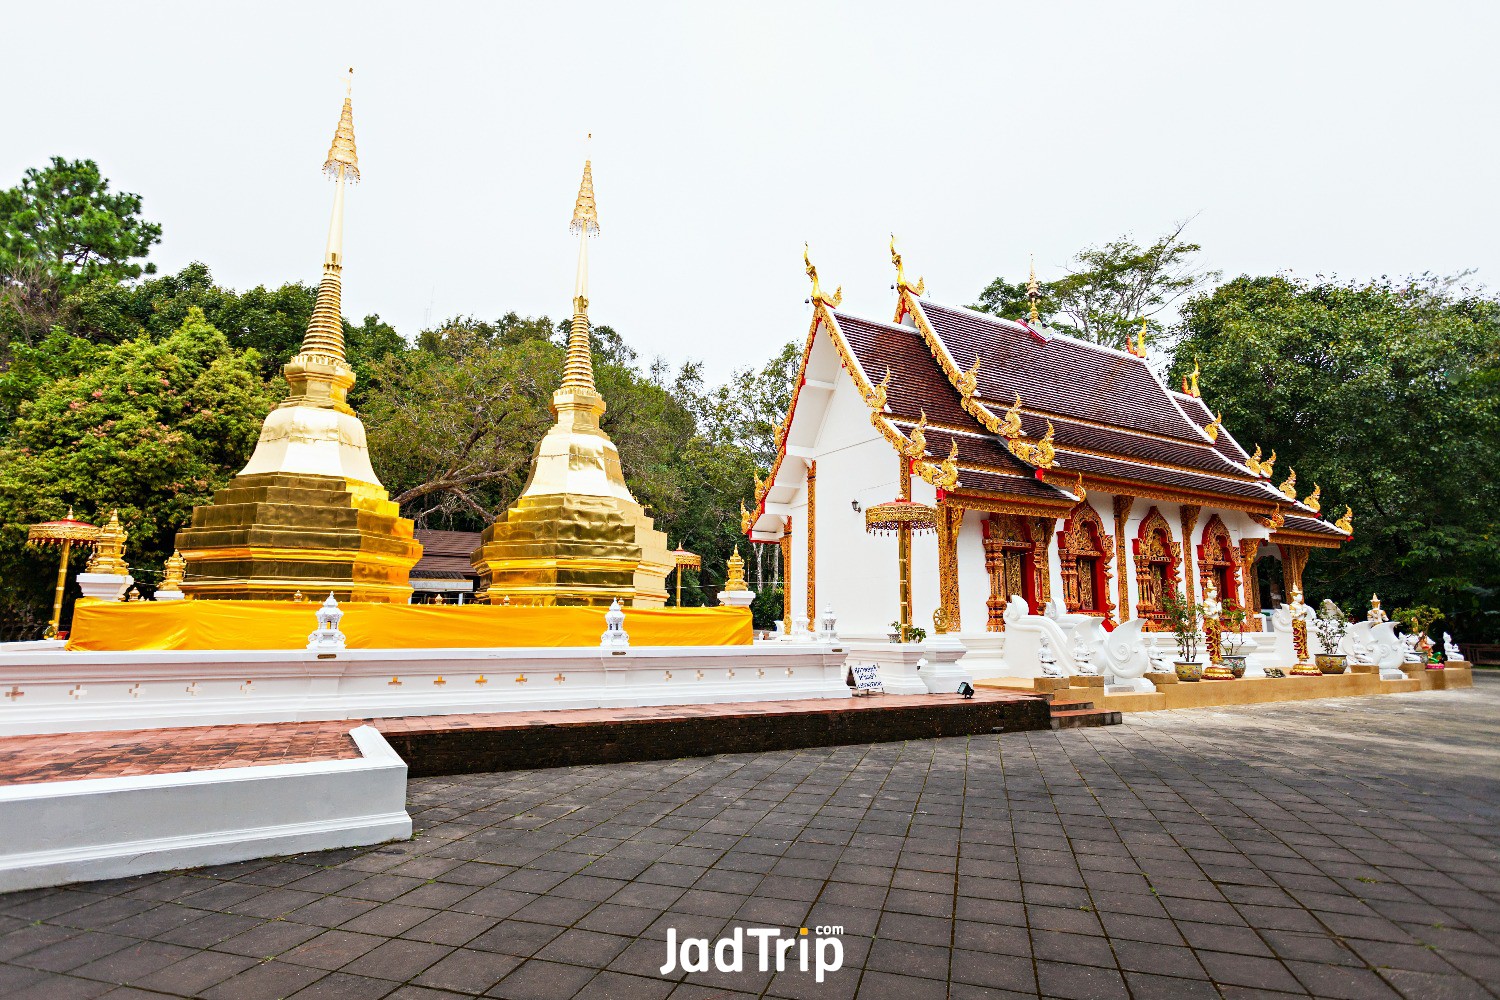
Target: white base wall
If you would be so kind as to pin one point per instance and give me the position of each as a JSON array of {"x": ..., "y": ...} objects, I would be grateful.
[
  {"x": 51, "y": 690},
  {"x": 58, "y": 832}
]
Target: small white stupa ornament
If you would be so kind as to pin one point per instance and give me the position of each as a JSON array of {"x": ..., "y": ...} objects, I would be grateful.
[
  {"x": 327, "y": 638},
  {"x": 828, "y": 626},
  {"x": 614, "y": 627}
]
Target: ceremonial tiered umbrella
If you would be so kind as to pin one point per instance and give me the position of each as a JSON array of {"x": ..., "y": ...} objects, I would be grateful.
[
  {"x": 902, "y": 516},
  {"x": 65, "y": 532},
  {"x": 685, "y": 560}
]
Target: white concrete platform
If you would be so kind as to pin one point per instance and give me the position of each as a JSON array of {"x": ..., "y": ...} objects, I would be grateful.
[
  {"x": 49, "y": 690},
  {"x": 58, "y": 832}
]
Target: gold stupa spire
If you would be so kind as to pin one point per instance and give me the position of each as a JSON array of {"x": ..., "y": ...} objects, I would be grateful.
[
  {"x": 319, "y": 374},
  {"x": 1033, "y": 293},
  {"x": 578, "y": 371}
]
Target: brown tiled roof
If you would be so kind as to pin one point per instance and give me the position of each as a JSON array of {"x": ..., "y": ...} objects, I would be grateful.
[
  {"x": 1311, "y": 525},
  {"x": 1226, "y": 445},
  {"x": 1058, "y": 374},
  {"x": 917, "y": 382},
  {"x": 445, "y": 554},
  {"x": 1118, "y": 468}
]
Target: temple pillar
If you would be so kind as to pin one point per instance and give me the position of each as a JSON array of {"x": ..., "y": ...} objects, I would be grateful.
[
  {"x": 950, "y": 521},
  {"x": 1190, "y": 514},
  {"x": 812, "y": 551},
  {"x": 1250, "y": 581},
  {"x": 786, "y": 578},
  {"x": 1122, "y": 513},
  {"x": 1293, "y": 562}
]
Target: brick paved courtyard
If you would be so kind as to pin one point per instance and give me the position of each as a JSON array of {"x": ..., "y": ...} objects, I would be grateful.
[{"x": 1343, "y": 849}]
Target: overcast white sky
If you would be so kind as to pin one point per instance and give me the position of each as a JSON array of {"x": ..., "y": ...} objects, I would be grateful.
[{"x": 1355, "y": 139}]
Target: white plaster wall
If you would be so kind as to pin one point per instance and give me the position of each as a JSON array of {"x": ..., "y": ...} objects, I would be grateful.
[{"x": 973, "y": 578}]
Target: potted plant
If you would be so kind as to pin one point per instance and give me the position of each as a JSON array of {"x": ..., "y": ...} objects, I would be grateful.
[
  {"x": 907, "y": 633},
  {"x": 1183, "y": 616},
  {"x": 1331, "y": 625},
  {"x": 1418, "y": 619},
  {"x": 1235, "y": 645}
]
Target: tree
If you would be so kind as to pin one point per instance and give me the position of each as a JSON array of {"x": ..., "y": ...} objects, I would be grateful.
[
  {"x": 65, "y": 216},
  {"x": 1114, "y": 286},
  {"x": 151, "y": 427},
  {"x": 745, "y": 411},
  {"x": 1387, "y": 395}
]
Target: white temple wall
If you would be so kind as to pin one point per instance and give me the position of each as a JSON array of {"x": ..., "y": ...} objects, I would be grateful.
[
  {"x": 973, "y": 578},
  {"x": 856, "y": 572}
]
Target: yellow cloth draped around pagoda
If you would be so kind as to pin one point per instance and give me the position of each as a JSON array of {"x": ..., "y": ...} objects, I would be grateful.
[{"x": 229, "y": 625}]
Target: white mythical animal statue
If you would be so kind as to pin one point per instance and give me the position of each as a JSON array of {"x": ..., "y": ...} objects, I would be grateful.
[
  {"x": 1357, "y": 643},
  {"x": 1387, "y": 651}
]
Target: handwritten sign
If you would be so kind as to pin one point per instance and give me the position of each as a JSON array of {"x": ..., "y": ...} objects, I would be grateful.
[{"x": 866, "y": 676}]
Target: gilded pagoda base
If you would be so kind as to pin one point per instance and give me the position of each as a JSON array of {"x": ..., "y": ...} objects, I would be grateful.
[
  {"x": 267, "y": 536},
  {"x": 571, "y": 550}
]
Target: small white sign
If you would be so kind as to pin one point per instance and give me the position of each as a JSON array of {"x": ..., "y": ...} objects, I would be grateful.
[{"x": 866, "y": 677}]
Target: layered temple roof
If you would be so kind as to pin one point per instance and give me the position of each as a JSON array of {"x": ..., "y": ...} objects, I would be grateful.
[{"x": 1088, "y": 416}]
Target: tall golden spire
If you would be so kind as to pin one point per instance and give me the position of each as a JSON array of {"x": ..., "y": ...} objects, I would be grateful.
[
  {"x": 1033, "y": 293},
  {"x": 578, "y": 372},
  {"x": 319, "y": 374}
]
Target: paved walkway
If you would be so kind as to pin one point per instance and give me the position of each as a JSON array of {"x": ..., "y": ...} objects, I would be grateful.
[{"x": 1344, "y": 849}]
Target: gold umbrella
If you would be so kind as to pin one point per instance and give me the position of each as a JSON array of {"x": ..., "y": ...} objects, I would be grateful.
[
  {"x": 685, "y": 560},
  {"x": 901, "y": 516},
  {"x": 64, "y": 532}
]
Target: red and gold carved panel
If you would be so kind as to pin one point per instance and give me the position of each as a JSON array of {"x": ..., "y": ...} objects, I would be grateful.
[
  {"x": 1157, "y": 558},
  {"x": 1084, "y": 550}
]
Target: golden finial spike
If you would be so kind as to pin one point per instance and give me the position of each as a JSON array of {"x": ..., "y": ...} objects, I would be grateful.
[
  {"x": 343, "y": 159},
  {"x": 1212, "y": 430},
  {"x": 1193, "y": 378},
  {"x": 1288, "y": 486},
  {"x": 902, "y": 285},
  {"x": 817, "y": 289},
  {"x": 1033, "y": 293},
  {"x": 578, "y": 369},
  {"x": 1313, "y": 499},
  {"x": 1346, "y": 523},
  {"x": 1140, "y": 338},
  {"x": 585, "y": 213}
]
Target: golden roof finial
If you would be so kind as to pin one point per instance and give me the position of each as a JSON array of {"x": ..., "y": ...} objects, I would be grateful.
[
  {"x": 1312, "y": 500},
  {"x": 968, "y": 382},
  {"x": 746, "y": 518},
  {"x": 1268, "y": 466},
  {"x": 343, "y": 159},
  {"x": 1346, "y": 523},
  {"x": 917, "y": 440},
  {"x": 1011, "y": 426},
  {"x": 1033, "y": 293},
  {"x": 875, "y": 398},
  {"x": 1253, "y": 462},
  {"x": 1212, "y": 430},
  {"x": 1140, "y": 338},
  {"x": 1289, "y": 485},
  {"x": 817, "y": 290},
  {"x": 902, "y": 285},
  {"x": 1193, "y": 378}
]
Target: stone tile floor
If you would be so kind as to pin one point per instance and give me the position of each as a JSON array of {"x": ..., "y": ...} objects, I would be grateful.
[{"x": 1345, "y": 849}]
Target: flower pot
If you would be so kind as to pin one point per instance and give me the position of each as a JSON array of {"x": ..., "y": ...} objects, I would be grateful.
[
  {"x": 1332, "y": 663},
  {"x": 1236, "y": 665},
  {"x": 1188, "y": 671}
]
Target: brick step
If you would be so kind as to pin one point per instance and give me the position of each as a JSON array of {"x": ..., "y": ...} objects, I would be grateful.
[
  {"x": 1068, "y": 704},
  {"x": 1084, "y": 718}
]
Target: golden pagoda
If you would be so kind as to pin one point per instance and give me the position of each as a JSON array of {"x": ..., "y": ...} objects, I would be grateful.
[
  {"x": 576, "y": 536},
  {"x": 307, "y": 512}
]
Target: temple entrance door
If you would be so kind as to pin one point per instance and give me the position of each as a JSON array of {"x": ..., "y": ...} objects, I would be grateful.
[
  {"x": 1009, "y": 559},
  {"x": 1268, "y": 579}
]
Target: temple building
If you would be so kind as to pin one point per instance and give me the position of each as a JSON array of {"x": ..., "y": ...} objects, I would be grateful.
[
  {"x": 1044, "y": 466},
  {"x": 575, "y": 536},
  {"x": 307, "y": 513}
]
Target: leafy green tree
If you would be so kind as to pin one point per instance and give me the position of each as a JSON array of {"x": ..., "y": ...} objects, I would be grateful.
[
  {"x": 1113, "y": 286},
  {"x": 1387, "y": 395},
  {"x": 66, "y": 216},
  {"x": 151, "y": 427}
]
